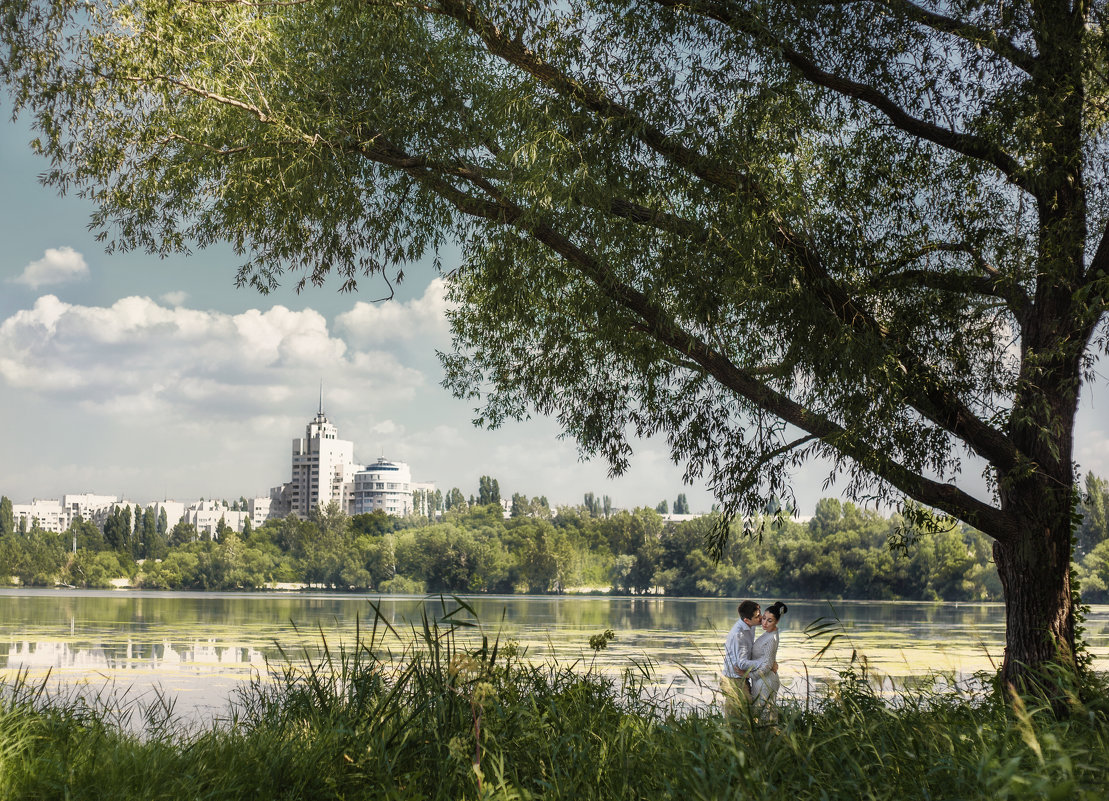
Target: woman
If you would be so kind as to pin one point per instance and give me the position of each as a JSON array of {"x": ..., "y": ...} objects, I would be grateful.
[{"x": 764, "y": 678}]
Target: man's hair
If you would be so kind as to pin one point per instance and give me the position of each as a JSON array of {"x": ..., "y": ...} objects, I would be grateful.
[{"x": 748, "y": 609}]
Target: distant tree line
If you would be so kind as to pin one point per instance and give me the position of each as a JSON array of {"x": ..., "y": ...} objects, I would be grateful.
[
  {"x": 843, "y": 551},
  {"x": 434, "y": 503}
]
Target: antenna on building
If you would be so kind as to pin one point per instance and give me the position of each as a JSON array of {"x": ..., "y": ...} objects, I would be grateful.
[{"x": 321, "y": 397}]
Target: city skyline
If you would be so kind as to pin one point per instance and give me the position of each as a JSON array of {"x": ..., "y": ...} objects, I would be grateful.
[{"x": 127, "y": 375}]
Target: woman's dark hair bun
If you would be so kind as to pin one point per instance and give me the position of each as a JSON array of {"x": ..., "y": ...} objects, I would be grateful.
[{"x": 778, "y": 609}]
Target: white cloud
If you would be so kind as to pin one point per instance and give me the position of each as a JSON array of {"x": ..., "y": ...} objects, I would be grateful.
[
  {"x": 175, "y": 298},
  {"x": 148, "y": 398},
  {"x": 385, "y": 427},
  {"x": 140, "y": 359},
  {"x": 57, "y": 266},
  {"x": 420, "y": 318}
]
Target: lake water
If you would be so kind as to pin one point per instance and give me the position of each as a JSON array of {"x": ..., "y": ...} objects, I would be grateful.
[{"x": 199, "y": 648}]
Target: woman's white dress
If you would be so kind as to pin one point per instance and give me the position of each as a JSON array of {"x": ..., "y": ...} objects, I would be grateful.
[{"x": 764, "y": 681}]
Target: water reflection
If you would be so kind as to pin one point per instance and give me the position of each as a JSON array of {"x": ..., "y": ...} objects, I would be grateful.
[{"x": 202, "y": 646}]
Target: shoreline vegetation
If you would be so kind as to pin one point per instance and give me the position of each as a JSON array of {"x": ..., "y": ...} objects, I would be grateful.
[
  {"x": 843, "y": 551},
  {"x": 440, "y": 721}
]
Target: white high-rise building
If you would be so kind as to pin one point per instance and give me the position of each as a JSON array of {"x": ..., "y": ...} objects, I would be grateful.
[
  {"x": 324, "y": 470},
  {"x": 323, "y": 467}
]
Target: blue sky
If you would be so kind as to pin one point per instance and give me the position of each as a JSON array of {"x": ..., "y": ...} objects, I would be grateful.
[
  {"x": 125, "y": 374},
  {"x": 148, "y": 378}
]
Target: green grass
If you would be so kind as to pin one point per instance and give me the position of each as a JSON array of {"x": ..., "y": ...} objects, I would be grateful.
[{"x": 440, "y": 722}]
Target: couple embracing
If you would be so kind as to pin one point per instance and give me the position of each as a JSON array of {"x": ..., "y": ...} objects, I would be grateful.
[{"x": 750, "y": 664}]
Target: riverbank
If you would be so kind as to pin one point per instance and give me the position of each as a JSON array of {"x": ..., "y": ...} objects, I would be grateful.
[
  {"x": 124, "y": 583},
  {"x": 442, "y": 722}
]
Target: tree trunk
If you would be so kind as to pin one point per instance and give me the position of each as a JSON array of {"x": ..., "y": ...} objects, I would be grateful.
[{"x": 1034, "y": 568}]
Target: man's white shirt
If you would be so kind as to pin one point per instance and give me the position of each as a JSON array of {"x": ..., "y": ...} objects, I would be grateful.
[{"x": 737, "y": 650}]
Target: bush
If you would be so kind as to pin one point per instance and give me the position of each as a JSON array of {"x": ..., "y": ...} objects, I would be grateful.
[{"x": 399, "y": 585}]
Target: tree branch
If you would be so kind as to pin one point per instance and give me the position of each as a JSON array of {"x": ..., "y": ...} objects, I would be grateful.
[
  {"x": 958, "y": 283},
  {"x": 207, "y": 95},
  {"x": 514, "y": 52},
  {"x": 666, "y": 330},
  {"x": 942, "y": 496},
  {"x": 970, "y": 145},
  {"x": 967, "y": 31},
  {"x": 991, "y": 283},
  {"x": 770, "y": 456},
  {"x": 935, "y": 403}
]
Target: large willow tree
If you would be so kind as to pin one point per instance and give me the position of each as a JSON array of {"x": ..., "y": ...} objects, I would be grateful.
[{"x": 871, "y": 231}]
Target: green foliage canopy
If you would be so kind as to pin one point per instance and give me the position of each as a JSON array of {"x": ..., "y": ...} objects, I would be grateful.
[
  {"x": 841, "y": 553},
  {"x": 869, "y": 231}
]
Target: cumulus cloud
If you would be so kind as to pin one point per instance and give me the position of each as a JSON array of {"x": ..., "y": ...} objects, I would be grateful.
[
  {"x": 420, "y": 318},
  {"x": 175, "y": 298},
  {"x": 147, "y": 398},
  {"x": 137, "y": 357},
  {"x": 385, "y": 427},
  {"x": 57, "y": 266}
]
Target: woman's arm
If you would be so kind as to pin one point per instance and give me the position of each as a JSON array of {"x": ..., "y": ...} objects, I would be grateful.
[{"x": 769, "y": 660}]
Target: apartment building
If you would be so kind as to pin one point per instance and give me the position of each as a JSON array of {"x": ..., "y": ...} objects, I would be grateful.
[{"x": 324, "y": 470}]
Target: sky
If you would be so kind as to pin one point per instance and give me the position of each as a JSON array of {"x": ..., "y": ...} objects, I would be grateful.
[{"x": 155, "y": 379}]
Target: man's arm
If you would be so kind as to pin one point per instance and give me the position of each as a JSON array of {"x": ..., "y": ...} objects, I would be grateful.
[
  {"x": 733, "y": 653},
  {"x": 743, "y": 662}
]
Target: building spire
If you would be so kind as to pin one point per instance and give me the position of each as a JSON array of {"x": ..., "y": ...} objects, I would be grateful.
[{"x": 321, "y": 397}]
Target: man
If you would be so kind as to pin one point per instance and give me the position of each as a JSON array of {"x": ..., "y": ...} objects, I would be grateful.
[{"x": 737, "y": 657}]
